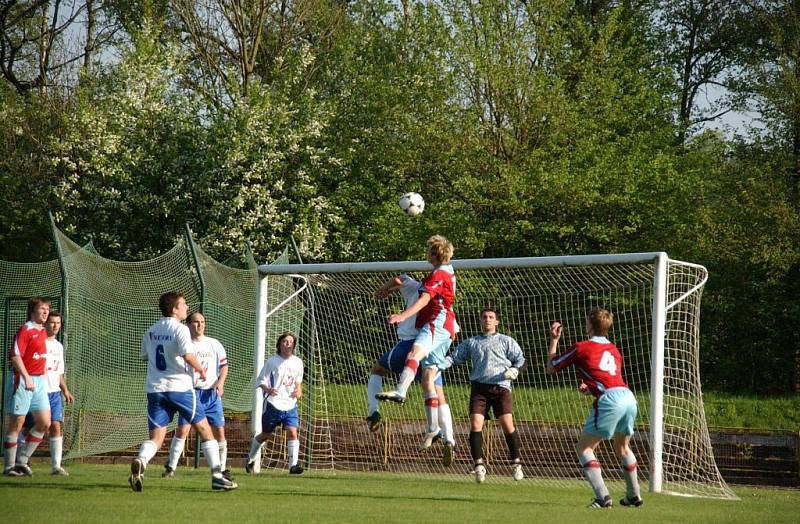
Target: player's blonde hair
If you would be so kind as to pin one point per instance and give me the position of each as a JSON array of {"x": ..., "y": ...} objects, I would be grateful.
[
  {"x": 601, "y": 321},
  {"x": 440, "y": 248}
]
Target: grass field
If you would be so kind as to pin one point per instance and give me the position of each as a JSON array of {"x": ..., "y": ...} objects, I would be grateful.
[{"x": 100, "y": 493}]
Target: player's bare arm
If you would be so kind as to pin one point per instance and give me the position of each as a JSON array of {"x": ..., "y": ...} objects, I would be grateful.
[
  {"x": 421, "y": 302},
  {"x": 219, "y": 386},
  {"x": 62, "y": 383},
  {"x": 298, "y": 392},
  {"x": 388, "y": 288},
  {"x": 192, "y": 361},
  {"x": 555, "y": 336},
  {"x": 19, "y": 365}
]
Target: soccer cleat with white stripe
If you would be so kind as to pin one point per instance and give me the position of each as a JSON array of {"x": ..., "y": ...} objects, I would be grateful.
[
  {"x": 604, "y": 503},
  {"x": 60, "y": 471},
  {"x": 168, "y": 472},
  {"x": 218, "y": 483},
  {"x": 24, "y": 470},
  {"x": 136, "y": 480},
  {"x": 11, "y": 472},
  {"x": 427, "y": 440},
  {"x": 391, "y": 396}
]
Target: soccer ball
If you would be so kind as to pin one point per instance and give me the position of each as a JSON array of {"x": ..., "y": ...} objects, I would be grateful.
[{"x": 412, "y": 204}]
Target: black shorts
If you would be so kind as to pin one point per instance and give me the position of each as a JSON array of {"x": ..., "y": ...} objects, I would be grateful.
[{"x": 485, "y": 396}]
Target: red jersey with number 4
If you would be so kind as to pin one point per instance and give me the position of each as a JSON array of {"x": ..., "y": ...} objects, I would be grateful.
[
  {"x": 598, "y": 362},
  {"x": 29, "y": 345}
]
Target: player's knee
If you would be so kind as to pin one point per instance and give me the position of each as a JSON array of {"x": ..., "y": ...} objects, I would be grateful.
[{"x": 55, "y": 429}]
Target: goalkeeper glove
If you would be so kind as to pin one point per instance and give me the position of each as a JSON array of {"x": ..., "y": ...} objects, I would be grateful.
[{"x": 511, "y": 374}]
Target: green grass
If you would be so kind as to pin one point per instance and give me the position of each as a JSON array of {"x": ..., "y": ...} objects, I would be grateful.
[
  {"x": 724, "y": 410},
  {"x": 100, "y": 493}
]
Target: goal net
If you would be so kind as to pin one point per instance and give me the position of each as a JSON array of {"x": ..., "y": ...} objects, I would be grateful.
[{"x": 342, "y": 330}]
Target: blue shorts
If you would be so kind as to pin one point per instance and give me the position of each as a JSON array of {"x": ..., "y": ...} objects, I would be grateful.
[
  {"x": 21, "y": 401},
  {"x": 56, "y": 410},
  {"x": 161, "y": 407},
  {"x": 273, "y": 416},
  {"x": 435, "y": 343},
  {"x": 395, "y": 360},
  {"x": 615, "y": 413},
  {"x": 212, "y": 405}
]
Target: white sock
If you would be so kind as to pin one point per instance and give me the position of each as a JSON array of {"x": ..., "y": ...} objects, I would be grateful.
[
  {"x": 32, "y": 442},
  {"x": 223, "y": 454},
  {"x": 629, "y": 473},
  {"x": 373, "y": 388},
  {"x": 175, "y": 452},
  {"x": 255, "y": 449},
  {"x": 211, "y": 452},
  {"x": 56, "y": 451},
  {"x": 406, "y": 378},
  {"x": 293, "y": 447},
  {"x": 9, "y": 453},
  {"x": 432, "y": 411},
  {"x": 593, "y": 473},
  {"x": 147, "y": 451},
  {"x": 446, "y": 423}
]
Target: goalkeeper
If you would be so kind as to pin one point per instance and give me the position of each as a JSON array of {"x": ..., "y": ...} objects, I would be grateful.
[{"x": 496, "y": 361}]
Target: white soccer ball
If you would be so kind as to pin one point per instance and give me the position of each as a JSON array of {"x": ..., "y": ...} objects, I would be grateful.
[{"x": 412, "y": 204}]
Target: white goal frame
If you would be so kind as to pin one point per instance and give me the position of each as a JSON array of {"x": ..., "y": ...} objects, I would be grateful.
[{"x": 660, "y": 260}]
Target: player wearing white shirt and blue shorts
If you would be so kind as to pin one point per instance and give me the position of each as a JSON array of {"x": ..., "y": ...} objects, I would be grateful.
[
  {"x": 212, "y": 356},
  {"x": 281, "y": 379},
  {"x": 167, "y": 348},
  {"x": 395, "y": 359}
]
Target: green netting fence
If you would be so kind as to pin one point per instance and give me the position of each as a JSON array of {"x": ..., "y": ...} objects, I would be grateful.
[{"x": 107, "y": 306}]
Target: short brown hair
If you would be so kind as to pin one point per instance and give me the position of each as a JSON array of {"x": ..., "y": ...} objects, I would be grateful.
[
  {"x": 169, "y": 301},
  {"x": 440, "y": 248},
  {"x": 35, "y": 302},
  {"x": 283, "y": 336},
  {"x": 490, "y": 309},
  {"x": 601, "y": 321}
]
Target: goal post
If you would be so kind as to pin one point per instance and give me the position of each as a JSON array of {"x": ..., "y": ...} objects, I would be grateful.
[{"x": 342, "y": 330}]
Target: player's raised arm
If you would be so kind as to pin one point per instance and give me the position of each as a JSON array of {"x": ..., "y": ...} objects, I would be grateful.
[
  {"x": 391, "y": 286},
  {"x": 555, "y": 336}
]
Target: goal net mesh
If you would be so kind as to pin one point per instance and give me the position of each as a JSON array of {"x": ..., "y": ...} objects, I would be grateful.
[{"x": 342, "y": 330}]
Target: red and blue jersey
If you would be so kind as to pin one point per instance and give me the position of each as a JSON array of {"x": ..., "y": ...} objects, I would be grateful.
[
  {"x": 30, "y": 345},
  {"x": 599, "y": 364},
  {"x": 441, "y": 286}
]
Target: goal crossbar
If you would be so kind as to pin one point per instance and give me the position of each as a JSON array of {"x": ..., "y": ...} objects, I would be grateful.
[{"x": 467, "y": 263}]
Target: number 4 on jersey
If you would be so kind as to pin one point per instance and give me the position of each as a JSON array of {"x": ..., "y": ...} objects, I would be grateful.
[{"x": 608, "y": 364}]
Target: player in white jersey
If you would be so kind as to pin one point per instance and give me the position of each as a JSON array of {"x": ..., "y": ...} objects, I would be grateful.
[
  {"x": 394, "y": 361},
  {"x": 167, "y": 348},
  {"x": 212, "y": 356},
  {"x": 281, "y": 379},
  {"x": 55, "y": 386}
]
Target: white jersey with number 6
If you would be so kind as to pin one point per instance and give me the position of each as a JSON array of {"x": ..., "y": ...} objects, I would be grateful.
[{"x": 163, "y": 347}]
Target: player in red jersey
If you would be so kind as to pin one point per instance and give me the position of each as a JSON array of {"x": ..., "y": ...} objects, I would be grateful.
[
  {"x": 599, "y": 364},
  {"x": 437, "y": 326},
  {"x": 27, "y": 391}
]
